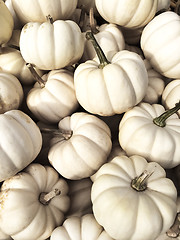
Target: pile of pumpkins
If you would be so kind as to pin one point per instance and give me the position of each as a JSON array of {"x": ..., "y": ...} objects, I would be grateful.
[{"x": 89, "y": 120}]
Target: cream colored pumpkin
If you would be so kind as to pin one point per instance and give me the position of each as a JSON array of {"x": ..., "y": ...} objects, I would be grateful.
[
  {"x": 4, "y": 236},
  {"x": 127, "y": 13},
  {"x": 80, "y": 228},
  {"x": 110, "y": 39},
  {"x": 11, "y": 92},
  {"x": 7, "y": 23},
  {"x": 50, "y": 46},
  {"x": 111, "y": 87},
  {"x": 84, "y": 148},
  {"x": 171, "y": 94},
  {"x": 160, "y": 41},
  {"x": 38, "y": 10},
  {"x": 11, "y": 61},
  {"x": 143, "y": 131},
  {"x": 20, "y": 142},
  {"x": 55, "y": 99},
  {"x": 132, "y": 199},
  {"x": 37, "y": 199}
]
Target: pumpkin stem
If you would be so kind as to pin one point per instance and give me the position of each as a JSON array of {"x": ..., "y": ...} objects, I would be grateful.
[
  {"x": 161, "y": 120},
  {"x": 102, "y": 58},
  {"x": 35, "y": 75},
  {"x": 92, "y": 21},
  {"x": 139, "y": 183},
  {"x": 64, "y": 134},
  {"x": 49, "y": 19},
  {"x": 45, "y": 198},
  {"x": 174, "y": 231}
]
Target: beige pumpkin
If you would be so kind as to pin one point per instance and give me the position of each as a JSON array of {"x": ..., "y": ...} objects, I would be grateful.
[
  {"x": 11, "y": 92},
  {"x": 20, "y": 142},
  {"x": 37, "y": 198},
  {"x": 80, "y": 228},
  {"x": 127, "y": 13},
  {"x": 51, "y": 45},
  {"x": 38, "y": 10},
  {"x": 7, "y": 23},
  {"x": 133, "y": 199},
  {"x": 83, "y": 148},
  {"x": 53, "y": 98}
]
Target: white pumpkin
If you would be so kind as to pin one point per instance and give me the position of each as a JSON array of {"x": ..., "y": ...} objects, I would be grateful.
[
  {"x": 38, "y": 10},
  {"x": 80, "y": 228},
  {"x": 20, "y": 142},
  {"x": 109, "y": 88},
  {"x": 110, "y": 39},
  {"x": 83, "y": 148},
  {"x": 50, "y": 46},
  {"x": 160, "y": 40},
  {"x": 143, "y": 130},
  {"x": 7, "y": 23},
  {"x": 37, "y": 199},
  {"x": 17, "y": 23},
  {"x": 127, "y": 13},
  {"x": 55, "y": 98},
  {"x": 171, "y": 94},
  {"x": 11, "y": 61},
  {"x": 11, "y": 92},
  {"x": 132, "y": 199}
]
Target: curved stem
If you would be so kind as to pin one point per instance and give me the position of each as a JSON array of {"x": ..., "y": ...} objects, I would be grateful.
[
  {"x": 174, "y": 231},
  {"x": 64, "y": 134},
  {"x": 102, "y": 58},
  {"x": 139, "y": 183},
  {"x": 92, "y": 21},
  {"x": 45, "y": 198},
  {"x": 35, "y": 75},
  {"x": 161, "y": 120}
]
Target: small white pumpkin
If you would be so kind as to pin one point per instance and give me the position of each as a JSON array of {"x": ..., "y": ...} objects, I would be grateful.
[
  {"x": 127, "y": 13},
  {"x": 7, "y": 23},
  {"x": 171, "y": 94},
  {"x": 11, "y": 92},
  {"x": 84, "y": 148},
  {"x": 113, "y": 85},
  {"x": 50, "y": 46},
  {"x": 132, "y": 199},
  {"x": 53, "y": 97},
  {"x": 37, "y": 10},
  {"x": 160, "y": 41},
  {"x": 20, "y": 142},
  {"x": 11, "y": 61},
  {"x": 37, "y": 199},
  {"x": 80, "y": 228},
  {"x": 149, "y": 131}
]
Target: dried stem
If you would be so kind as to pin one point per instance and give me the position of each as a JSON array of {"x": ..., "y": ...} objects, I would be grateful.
[
  {"x": 45, "y": 198},
  {"x": 35, "y": 75}
]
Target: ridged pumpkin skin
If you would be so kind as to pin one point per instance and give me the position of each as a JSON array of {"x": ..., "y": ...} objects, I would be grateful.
[
  {"x": 21, "y": 198},
  {"x": 126, "y": 213},
  {"x": 38, "y": 10},
  {"x": 7, "y": 23},
  {"x": 115, "y": 88},
  {"x": 50, "y": 46},
  {"x": 127, "y": 13},
  {"x": 160, "y": 41},
  {"x": 20, "y": 142},
  {"x": 80, "y": 228},
  {"x": 83, "y": 152}
]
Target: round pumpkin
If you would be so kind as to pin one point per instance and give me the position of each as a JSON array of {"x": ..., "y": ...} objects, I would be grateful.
[
  {"x": 84, "y": 145},
  {"x": 33, "y": 203},
  {"x": 145, "y": 130},
  {"x": 160, "y": 40},
  {"x": 37, "y": 10},
  {"x": 132, "y": 199},
  {"x": 7, "y": 23},
  {"x": 80, "y": 228},
  {"x": 51, "y": 45},
  {"x": 127, "y": 13},
  {"x": 20, "y": 142}
]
